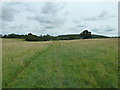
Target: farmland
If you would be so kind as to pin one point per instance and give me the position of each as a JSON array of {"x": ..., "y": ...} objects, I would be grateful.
[{"x": 60, "y": 64}]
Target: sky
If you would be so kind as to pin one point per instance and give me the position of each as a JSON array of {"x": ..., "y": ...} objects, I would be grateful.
[{"x": 57, "y": 18}]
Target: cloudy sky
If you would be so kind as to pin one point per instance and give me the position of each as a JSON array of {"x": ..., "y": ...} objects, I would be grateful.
[{"x": 56, "y": 18}]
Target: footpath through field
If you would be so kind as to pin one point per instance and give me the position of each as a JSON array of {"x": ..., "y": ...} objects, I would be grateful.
[
  {"x": 76, "y": 64},
  {"x": 46, "y": 67}
]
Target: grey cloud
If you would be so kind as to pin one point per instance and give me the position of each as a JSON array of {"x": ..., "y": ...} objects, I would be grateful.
[
  {"x": 8, "y": 13},
  {"x": 49, "y": 27},
  {"x": 78, "y": 23},
  {"x": 22, "y": 5},
  {"x": 0, "y": 15},
  {"x": 9, "y": 10},
  {"x": 15, "y": 29},
  {"x": 95, "y": 29},
  {"x": 52, "y": 8},
  {"x": 41, "y": 19},
  {"x": 29, "y": 9},
  {"x": 109, "y": 28},
  {"x": 48, "y": 17},
  {"x": 119, "y": 18},
  {"x": 104, "y": 15},
  {"x": 18, "y": 27},
  {"x": 46, "y": 20},
  {"x": 49, "y": 8},
  {"x": 75, "y": 21},
  {"x": 14, "y": 3},
  {"x": 102, "y": 29},
  {"x": 82, "y": 26}
]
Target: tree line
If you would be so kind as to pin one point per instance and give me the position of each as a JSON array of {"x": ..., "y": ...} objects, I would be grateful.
[{"x": 30, "y": 37}]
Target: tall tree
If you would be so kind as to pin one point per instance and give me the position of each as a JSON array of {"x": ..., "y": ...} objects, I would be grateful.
[{"x": 86, "y": 34}]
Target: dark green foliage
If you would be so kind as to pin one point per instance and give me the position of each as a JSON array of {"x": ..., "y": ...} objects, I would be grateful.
[
  {"x": 14, "y": 36},
  {"x": 0, "y": 35},
  {"x": 86, "y": 35},
  {"x": 68, "y": 37},
  {"x": 30, "y": 37},
  {"x": 46, "y": 37},
  {"x": 99, "y": 36}
]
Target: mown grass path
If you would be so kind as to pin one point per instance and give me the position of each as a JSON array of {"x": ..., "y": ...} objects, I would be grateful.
[
  {"x": 32, "y": 59},
  {"x": 72, "y": 64},
  {"x": 52, "y": 66},
  {"x": 17, "y": 55}
]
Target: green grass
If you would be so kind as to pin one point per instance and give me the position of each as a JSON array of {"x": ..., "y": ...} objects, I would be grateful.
[
  {"x": 0, "y": 63},
  {"x": 60, "y": 64}
]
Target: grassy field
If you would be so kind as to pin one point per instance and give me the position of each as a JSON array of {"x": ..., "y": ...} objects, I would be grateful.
[
  {"x": 0, "y": 63},
  {"x": 60, "y": 64}
]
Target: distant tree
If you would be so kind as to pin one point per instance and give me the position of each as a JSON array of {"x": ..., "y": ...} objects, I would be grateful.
[
  {"x": 86, "y": 34},
  {"x": 30, "y": 34},
  {"x": 31, "y": 37},
  {"x": 0, "y": 35},
  {"x": 47, "y": 37},
  {"x": 4, "y": 36}
]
